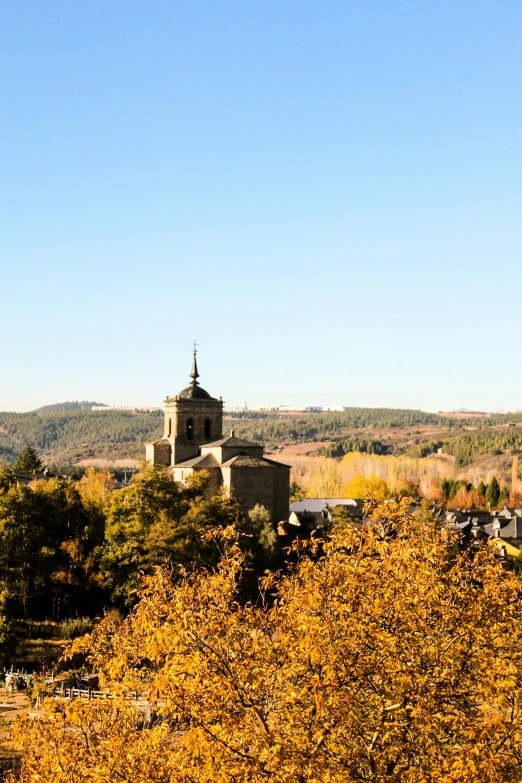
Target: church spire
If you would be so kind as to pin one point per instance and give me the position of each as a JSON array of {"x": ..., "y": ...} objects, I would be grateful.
[
  {"x": 194, "y": 390},
  {"x": 194, "y": 374},
  {"x": 194, "y": 371}
]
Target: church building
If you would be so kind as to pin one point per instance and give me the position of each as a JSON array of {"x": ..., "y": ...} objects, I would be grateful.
[{"x": 193, "y": 441}]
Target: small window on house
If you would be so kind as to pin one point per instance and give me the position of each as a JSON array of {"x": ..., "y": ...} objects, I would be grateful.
[
  {"x": 190, "y": 429},
  {"x": 207, "y": 428}
]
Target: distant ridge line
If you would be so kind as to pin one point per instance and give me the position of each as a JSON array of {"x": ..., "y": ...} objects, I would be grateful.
[{"x": 75, "y": 405}]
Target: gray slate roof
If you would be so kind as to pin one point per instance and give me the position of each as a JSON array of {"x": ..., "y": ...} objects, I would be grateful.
[
  {"x": 512, "y": 528},
  {"x": 195, "y": 392},
  {"x": 203, "y": 461},
  {"x": 233, "y": 442},
  {"x": 247, "y": 461},
  {"x": 314, "y": 505},
  {"x": 277, "y": 463}
]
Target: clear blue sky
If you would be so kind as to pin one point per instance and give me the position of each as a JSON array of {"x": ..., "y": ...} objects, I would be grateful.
[{"x": 328, "y": 196}]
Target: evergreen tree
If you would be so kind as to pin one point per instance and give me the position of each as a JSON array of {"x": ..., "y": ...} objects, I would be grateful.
[
  {"x": 504, "y": 495},
  {"x": 27, "y": 461},
  {"x": 493, "y": 493},
  {"x": 446, "y": 486}
]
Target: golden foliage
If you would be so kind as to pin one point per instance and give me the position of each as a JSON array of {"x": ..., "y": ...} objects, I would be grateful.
[
  {"x": 361, "y": 486},
  {"x": 386, "y": 657},
  {"x": 96, "y": 488},
  {"x": 515, "y": 497},
  {"x": 327, "y": 477},
  {"x": 318, "y": 477}
]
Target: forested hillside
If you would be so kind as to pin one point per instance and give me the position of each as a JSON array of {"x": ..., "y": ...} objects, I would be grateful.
[
  {"x": 66, "y": 438},
  {"x": 467, "y": 448},
  {"x": 274, "y": 428},
  {"x": 63, "y": 438}
]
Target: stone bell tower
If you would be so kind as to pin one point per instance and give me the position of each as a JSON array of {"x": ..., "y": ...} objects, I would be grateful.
[
  {"x": 193, "y": 442},
  {"x": 192, "y": 419}
]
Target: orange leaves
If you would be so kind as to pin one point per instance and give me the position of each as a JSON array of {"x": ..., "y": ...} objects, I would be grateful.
[{"x": 385, "y": 657}]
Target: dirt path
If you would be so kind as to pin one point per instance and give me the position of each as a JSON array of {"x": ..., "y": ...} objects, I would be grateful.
[{"x": 12, "y": 705}]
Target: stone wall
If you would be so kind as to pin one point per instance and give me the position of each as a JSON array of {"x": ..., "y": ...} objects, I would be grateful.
[
  {"x": 158, "y": 453},
  {"x": 281, "y": 493},
  {"x": 251, "y": 486},
  {"x": 179, "y": 413}
]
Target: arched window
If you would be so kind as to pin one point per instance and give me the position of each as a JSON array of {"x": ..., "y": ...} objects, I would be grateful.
[
  {"x": 190, "y": 429},
  {"x": 207, "y": 428}
]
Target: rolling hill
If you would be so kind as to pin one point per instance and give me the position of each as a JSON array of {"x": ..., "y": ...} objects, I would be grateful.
[{"x": 66, "y": 438}]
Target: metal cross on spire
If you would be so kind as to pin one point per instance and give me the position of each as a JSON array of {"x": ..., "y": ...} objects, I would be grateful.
[{"x": 195, "y": 346}]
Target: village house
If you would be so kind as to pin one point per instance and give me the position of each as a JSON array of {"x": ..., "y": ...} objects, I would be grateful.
[
  {"x": 317, "y": 513},
  {"x": 502, "y": 529}
]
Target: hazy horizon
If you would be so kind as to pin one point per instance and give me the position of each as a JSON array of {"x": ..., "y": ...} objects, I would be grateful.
[{"x": 264, "y": 406}]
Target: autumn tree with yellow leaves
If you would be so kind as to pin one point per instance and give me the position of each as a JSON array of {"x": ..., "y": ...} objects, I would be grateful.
[{"x": 385, "y": 656}]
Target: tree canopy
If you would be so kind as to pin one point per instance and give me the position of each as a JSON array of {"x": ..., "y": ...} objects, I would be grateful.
[
  {"x": 68, "y": 549},
  {"x": 385, "y": 656}
]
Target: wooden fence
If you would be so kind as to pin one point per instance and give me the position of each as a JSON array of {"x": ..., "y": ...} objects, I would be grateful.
[{"x": 83, "y": 693}]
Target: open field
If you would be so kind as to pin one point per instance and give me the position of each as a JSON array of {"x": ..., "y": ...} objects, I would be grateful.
[
  {"x": 108, "y": 464},
  {"x": 292, "y": 449}
]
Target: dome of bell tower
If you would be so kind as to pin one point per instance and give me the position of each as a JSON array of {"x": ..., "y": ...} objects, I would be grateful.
[{"x": 194, "y": 390}]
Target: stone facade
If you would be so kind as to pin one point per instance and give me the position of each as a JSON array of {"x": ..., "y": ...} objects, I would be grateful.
[
  {"x": 188, "y": 424},
  {"x": 193, "y": 442}
]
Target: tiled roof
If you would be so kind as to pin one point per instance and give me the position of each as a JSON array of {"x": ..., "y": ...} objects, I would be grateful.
[
  {"x": 313, "y": 505},
  {"x": 246, "y": 461},
  {"x": 203, "y": 461},
  {"x": 277, "y": 463},
  {"x": 233, "y": 442},
  {"x": 195, "y": 392}
]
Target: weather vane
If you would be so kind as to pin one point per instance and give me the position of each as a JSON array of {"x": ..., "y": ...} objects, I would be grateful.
[{"x": 195, "y": 346}]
